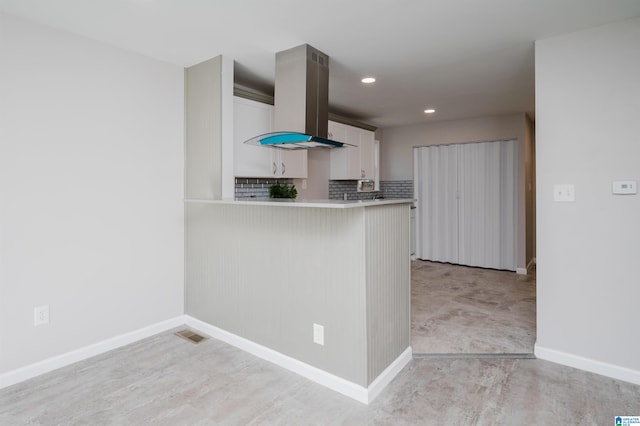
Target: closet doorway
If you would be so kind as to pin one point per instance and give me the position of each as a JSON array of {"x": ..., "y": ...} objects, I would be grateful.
[
  {"x": 466, "y": 298},
  {"x": 466, "y": 209}
]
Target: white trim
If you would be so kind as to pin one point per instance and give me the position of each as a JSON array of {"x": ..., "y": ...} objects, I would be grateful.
[
  {"x": 338, "y": 384},
  {"x": 377, "y": 386},
  {"x": 335, "y": 383},
  {"x": 24, "y": 373},
  {"x": 226, "y": 134},
  {"x": 531, "y": 263},
  {"x": 525, "y": 271},
  {"x": 593, "y": 366}
]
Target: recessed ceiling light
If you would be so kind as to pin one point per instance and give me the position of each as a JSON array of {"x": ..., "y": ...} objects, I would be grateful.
[
  {"x": 368, "y": 80},
  {"x": 429, "y": 111}
]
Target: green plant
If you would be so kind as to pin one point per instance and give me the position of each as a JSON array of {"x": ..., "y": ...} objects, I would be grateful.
[{"x": 283, "y": 191}]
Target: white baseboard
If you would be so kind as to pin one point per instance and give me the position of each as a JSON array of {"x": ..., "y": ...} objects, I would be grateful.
[
  {"x": 338, "y": 384},
  {"x": 335, "y": 383},
  {"x": 593, "y": 366},
  {"x": 377, "y": 386},
  {"x": 525, "y": 271},
  {"x": 53, "y": 363}
]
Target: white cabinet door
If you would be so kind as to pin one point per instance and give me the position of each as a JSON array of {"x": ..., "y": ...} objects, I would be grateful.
[
  {"x": 291, "y": 164},
  {"x": 340, "y": 158},
  {"x": 251, "y": 119},
  {"x": 367, "y": 167},
  {"x": 352, "y": 162},
  {"x": 337, "y": 131}
]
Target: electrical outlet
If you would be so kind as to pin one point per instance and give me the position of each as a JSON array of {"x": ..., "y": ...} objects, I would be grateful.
[
  {"x": 318, "y": 334},
  {"x": 41, "y": 315}
]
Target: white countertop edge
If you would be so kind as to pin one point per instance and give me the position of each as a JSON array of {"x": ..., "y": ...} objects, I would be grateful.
[{"x": 331, "y": 204}]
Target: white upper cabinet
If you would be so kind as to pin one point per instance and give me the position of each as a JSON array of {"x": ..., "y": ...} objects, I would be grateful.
[
  {"x": 367, "y": 155},
  {"x": 251, "y": 119},
  {"x": 345, "y": 161},
  {"x": 337, "y": 131},
  {"x": 352, "y": 162}
]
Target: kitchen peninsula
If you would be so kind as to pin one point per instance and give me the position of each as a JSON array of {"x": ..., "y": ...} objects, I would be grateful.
[{"x": 319, "y": 287}]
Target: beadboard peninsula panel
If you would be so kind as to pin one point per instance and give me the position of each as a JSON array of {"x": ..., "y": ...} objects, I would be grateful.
[
  {"x": 388, "y": 277},
  {"x": 269, "y": 273}
]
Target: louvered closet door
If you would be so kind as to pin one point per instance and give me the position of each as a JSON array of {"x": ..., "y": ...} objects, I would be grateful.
[
  {"x": 487, "y": 176},
  {"x": 436, "y": 176}
]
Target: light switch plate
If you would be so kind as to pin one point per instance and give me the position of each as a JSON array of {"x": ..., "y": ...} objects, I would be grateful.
[
  {"x": 318, "y": 334},
  {"x": 624, "y": 187},
  {"x": 564, "y": 193}
]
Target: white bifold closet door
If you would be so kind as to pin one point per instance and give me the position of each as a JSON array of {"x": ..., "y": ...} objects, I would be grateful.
[
  {"x": 466, "y": 208},
  {"x": 436, "y": 183}
]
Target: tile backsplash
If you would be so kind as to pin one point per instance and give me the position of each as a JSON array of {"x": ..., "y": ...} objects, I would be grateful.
[
  {"x": 256, "y": 187},
  {"x": 396, "y": 188},
  {"x": 259, "y": 188},
  {"x": 388, "y": 189}
]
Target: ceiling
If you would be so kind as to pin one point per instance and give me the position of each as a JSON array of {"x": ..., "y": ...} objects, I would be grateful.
[{"x": 464, "y": 58}]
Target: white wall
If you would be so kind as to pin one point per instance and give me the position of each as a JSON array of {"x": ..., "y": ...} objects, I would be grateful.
[
  {"x": 587, "y": 103},
  {"x": 91, "y": 186},
  {"x": 396, "y": 150},
  {"x": 396, "y": 155},
  {"x": 318, "y": 172}
]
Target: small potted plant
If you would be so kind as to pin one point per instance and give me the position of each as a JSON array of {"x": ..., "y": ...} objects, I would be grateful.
[{"x": 283, "y": 191}]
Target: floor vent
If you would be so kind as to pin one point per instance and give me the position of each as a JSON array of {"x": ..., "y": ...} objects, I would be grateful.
[{"x": 190, "y": 336}]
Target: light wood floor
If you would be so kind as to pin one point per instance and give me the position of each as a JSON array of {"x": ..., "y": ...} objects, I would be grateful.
[
  {"x": 462, "y": 310},
  {"x": 166, "y": 380}
]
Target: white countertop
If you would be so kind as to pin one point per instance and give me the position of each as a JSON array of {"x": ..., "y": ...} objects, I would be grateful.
[{"x": 332, "y": 204}]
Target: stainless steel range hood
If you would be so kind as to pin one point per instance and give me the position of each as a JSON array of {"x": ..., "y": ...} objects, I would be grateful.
[{"x": 301, "y": 102}]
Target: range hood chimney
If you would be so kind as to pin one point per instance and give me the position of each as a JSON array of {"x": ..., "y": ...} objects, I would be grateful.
[{"x": 301, "y": 101}]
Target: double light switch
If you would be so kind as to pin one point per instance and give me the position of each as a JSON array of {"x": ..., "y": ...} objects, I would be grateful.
[{"x": 564, "y": 193}]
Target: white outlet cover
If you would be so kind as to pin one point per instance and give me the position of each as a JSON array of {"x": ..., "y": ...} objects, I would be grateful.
[
  {"x": 564, "y": 193},
  {"x": 41, "y": 315},
  {"x": 318, "y": 334}
]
